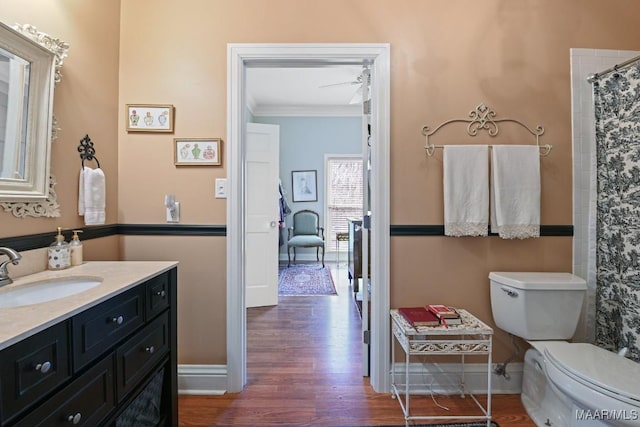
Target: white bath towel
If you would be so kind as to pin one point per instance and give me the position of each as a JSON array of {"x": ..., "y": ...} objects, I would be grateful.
[
  {"x": 515, "y": 191},
  {"x": 466, "y": 190},
  {"x": 92, "y": 196}
]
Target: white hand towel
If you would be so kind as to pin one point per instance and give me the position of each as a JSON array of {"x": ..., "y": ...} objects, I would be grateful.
[
  {"x": 92, "y": 196},
  {"x": 466, "y": 190},
  {"x": 515, "y": 191},
  {"x": 81, "y": 193}
]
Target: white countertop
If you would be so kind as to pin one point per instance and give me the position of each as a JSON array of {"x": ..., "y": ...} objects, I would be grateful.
[{"x": 18, "y": 323}]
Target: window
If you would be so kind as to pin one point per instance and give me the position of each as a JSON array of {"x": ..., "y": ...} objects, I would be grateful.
[{"x": 344, "y": 196}]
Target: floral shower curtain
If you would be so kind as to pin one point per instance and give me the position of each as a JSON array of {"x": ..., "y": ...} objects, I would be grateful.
[{"x": 617, "y": 107}]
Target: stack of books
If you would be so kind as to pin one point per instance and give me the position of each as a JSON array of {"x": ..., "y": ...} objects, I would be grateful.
[
  {"x": 419, "y": 316},
  {"x": 445, "y": 314},
  {"x": 431, "y": 315}
]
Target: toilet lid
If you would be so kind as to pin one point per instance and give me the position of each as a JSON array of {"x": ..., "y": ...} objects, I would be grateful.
[{"x": 597, "y": 368}]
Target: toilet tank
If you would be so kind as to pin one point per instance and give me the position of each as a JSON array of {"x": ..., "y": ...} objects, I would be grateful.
[{"x": 537, "y": 305}]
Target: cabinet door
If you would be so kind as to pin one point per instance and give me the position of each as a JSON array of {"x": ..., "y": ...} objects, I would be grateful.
[
  {"x": 32, "y": 368},
  {"x": 147, "y": 408},
  {"x": 141, "y": 353},
  {"x": 98, "y": 329},
  {"x": 157, "y": 295},
  {"x": 85, "y": 402}
]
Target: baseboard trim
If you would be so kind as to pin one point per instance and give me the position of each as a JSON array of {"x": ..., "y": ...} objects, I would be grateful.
[
  {"x": 202, "y": 379},
  {"x": 444, "y": 378},
  {"x": 212, "y": 379}
]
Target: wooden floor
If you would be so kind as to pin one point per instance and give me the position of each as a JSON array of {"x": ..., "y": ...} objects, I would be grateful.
[{"x": 304, "y": 369}]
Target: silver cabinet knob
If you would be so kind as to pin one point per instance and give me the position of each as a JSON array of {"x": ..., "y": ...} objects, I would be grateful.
[
  {"x": 161, "y": 293},
  {"x": 151, "y": 349},
  {"x": 117, "y": 320},
  {"x": 43, "y": 367},
  {"x": 75, "y": 419}
]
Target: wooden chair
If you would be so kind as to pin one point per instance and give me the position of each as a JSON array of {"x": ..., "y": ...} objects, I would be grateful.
[{"x": 305, "y": 233}]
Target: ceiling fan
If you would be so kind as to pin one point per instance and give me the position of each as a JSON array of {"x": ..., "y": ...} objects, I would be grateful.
[{"x": 359, "y": 80}]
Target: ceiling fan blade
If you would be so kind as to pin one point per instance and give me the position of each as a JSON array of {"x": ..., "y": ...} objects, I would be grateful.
[{"x": 340, "y": 84}]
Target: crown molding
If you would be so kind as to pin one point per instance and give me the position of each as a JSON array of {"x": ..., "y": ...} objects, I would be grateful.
[{"x": 307, "y": 110}]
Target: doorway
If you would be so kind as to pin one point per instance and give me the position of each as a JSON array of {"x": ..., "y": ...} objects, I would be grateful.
[{"x": 239, "y": 57}]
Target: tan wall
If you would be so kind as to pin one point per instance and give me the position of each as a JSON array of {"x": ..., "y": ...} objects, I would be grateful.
[
  {"x": 86, "y": 102},
  {"x": 446, "y": 57},
  {"x": 455, "y": 271},
  {"x": 201, "y": 290}
]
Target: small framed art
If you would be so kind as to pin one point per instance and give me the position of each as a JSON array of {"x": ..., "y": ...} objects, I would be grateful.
[
  {"x": 305, "y": 188},
  {"x": 149, "y": 118},
  {"x": 197, "y": 151}
]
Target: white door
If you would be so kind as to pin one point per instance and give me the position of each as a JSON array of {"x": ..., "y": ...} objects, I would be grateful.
[{"x": 262, "y": 214}]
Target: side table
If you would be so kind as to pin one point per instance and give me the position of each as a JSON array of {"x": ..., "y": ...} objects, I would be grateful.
[{"x": 472, "y": 337}]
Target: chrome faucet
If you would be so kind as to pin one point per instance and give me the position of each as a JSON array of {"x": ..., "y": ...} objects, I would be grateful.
[{"x": 14, "y": 258}]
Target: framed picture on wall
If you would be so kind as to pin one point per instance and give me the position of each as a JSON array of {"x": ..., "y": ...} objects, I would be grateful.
[
  {"x": 197, "y": 152},
  {"x": 304, "y": 185},
  {"x": 149, "y": 118}
]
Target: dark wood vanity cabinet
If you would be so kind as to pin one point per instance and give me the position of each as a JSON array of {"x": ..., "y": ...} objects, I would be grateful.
[{"x": 109, "y": 365}]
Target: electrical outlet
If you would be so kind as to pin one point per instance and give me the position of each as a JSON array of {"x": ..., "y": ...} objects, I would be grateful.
[{"x": 221, "y": 188}]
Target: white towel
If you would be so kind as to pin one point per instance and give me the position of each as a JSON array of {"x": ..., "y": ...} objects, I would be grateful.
[
  {"x": 92, "y": 196},
  {"x": 466, "y": 190},
  {"x": 515, "y": 191}
]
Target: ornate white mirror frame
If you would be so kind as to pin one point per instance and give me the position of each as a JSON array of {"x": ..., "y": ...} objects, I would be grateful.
[{"x": 32, "y": 194}]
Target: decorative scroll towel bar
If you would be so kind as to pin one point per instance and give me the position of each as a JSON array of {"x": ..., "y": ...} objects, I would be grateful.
[
  {"x": 86, "y": 150},
  {"x": 482, "y": 118}
]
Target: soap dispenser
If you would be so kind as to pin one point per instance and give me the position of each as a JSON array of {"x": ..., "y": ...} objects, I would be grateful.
[
  {"x": 75, "y": 246},
  {"x": 59, "y": 253}
]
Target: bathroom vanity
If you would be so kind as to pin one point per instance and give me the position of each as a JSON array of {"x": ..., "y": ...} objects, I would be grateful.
[{"x": 105, "y": 356}]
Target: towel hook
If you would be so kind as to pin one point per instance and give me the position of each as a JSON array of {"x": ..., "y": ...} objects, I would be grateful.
[
  {"x": 429, "y": 148},
  {"x": 86, "y": 150}
]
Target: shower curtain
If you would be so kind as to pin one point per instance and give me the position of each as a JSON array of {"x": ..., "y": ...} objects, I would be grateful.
[{"x": 617, "y": 109}]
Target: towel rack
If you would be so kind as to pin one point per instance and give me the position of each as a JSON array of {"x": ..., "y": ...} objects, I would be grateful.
[
  {"x": 86, "y": 150},
  {"x": 482, "y": 118}
]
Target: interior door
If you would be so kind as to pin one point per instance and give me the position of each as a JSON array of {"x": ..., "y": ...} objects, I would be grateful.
[
  {"x": 366, "y": 220},
  {"x": 261, "y": 214}
]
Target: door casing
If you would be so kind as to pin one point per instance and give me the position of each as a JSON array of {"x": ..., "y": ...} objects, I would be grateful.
[{"x": 241, "y": 56}]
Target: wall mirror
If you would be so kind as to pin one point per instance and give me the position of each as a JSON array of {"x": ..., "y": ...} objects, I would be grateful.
[{"x": 30, "y": 64}]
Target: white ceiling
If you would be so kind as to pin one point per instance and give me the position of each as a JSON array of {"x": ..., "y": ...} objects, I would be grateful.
[{"x": 299, "y": 91}]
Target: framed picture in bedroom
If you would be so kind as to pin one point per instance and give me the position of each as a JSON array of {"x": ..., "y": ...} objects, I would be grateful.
[
  {"x": 149, "y": 117},
  {"x": 304, "y": 185},
  {"x": 197, "y": 151}
]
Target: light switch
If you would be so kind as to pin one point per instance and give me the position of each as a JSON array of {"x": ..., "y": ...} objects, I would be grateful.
[{"x": 221, "y": 188}]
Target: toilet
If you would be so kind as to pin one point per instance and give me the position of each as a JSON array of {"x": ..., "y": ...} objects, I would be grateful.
[{"x": 564, "y": 384}]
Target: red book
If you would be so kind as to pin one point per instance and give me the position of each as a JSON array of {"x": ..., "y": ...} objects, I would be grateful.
[
  {"x": 419, "y": 316},
  {"x": 443, "y": 311}
]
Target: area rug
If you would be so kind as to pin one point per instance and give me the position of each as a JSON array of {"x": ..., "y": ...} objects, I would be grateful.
[{"x": 305, "y": 279}]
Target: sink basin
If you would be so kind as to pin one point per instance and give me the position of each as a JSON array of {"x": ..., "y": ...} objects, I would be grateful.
[{"x": 46, "y": 290}]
